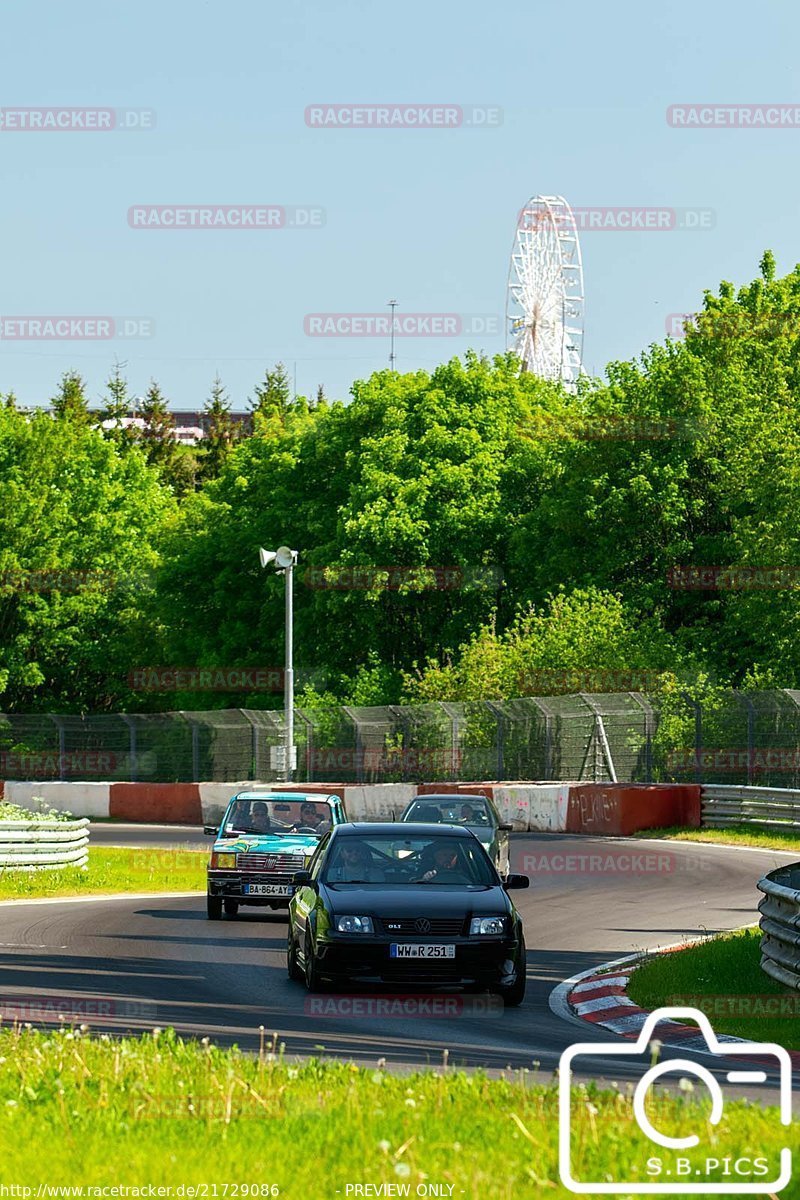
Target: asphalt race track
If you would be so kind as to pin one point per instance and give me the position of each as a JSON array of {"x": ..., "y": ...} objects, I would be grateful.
[{"x": 158, "y": 961}]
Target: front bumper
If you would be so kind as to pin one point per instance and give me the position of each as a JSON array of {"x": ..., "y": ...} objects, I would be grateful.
[
  {"x": 484, "y": 961},
  {"x": 230, "y": 885}
]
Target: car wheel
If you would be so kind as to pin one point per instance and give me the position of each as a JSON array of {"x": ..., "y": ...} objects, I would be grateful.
[
  {"x": 214, "y": 908},
  {"x": 311, "y": 970},
  {"x": 515, "y": 993},
  {"x": 292, "y": 965},
  {"x": 231, "y": 908}
]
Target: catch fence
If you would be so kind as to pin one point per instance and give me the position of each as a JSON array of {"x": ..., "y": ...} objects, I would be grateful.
[{"x": 738, "y": 739}]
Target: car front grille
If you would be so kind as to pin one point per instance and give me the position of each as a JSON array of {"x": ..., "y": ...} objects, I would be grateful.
[
  {"x": 270, "y": 862},
  {"x": 424, "y": 926}
]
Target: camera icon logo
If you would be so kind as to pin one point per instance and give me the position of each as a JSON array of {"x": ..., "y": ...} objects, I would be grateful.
[{"x": 678, "y": 1171}]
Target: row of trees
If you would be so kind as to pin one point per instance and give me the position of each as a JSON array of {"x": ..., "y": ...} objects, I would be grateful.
[
  {"x": 183, "y": 468},
  {"x": 473, "y": 532}
]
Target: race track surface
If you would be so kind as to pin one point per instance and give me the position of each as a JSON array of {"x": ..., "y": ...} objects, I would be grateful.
[{"x": 158, "y": 962}]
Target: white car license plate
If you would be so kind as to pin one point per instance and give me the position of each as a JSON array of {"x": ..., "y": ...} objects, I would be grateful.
[
  {"x": 420, "y": 950},
  {"x": 267, "y": 889}
]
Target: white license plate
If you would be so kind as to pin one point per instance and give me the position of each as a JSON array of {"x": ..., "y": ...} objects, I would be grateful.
[
  {"x": 267, "y": 889},
  {"x": 420, "y": 950}
]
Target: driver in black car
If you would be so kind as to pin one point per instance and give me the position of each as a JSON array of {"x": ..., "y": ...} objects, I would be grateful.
[{"x": 443, "y": 864}]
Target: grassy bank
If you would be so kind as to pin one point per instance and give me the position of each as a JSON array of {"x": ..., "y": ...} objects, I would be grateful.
[
  {"x": 722, "y": 977},
  {"x": 78, "y": 1109},
  {"x": 737, "y": 835},
  {"x": 112, "y": 870}
]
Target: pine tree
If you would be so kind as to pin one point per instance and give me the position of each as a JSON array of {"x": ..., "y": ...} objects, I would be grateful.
[
  {"x": 158, "y": 434},
  {"x": 219, "y": 429},
  {"x": 272, "y": 400},
  {"x": 117, "y": 407},
  {"x": 70, "y": 403}
]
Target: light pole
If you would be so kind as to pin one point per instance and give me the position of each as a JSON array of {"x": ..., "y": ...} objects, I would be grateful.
[{"x": 284, "y": 560}]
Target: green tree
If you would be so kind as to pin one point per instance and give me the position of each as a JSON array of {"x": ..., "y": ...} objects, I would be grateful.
[
  {"x": 271, "y": 402},
  {"x": 74, "y": 615},
  {"x": 219, "y": 428},
  {"x": 116, "y": 407},
  {"x": 70, "y": 402}
]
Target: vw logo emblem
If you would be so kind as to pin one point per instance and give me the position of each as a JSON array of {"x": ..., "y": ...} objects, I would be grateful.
[{"x": 422, "y": 925}]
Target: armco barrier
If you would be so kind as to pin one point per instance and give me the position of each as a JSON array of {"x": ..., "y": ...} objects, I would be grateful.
[
  {"x": 620, "y": 809},
  {"x": 780, "y": 925},
  {"x": 43, "y": 845},
  {"x": 723, "y": 805}
]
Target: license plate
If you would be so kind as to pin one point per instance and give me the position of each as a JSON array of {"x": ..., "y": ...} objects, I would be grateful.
[
  {"x": 420, "y": 950},
  {"x": 267, "y": 889}
]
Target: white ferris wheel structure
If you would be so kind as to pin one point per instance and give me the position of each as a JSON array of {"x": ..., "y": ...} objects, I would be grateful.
[{"x": 544, "y": 300}]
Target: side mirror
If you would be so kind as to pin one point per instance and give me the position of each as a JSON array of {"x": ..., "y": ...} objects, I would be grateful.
[
  {"x": 512, "y": 882},
  {"x": 210, "y": 830},
  {"x": 303, "y": 879},
  {"x": 507, "y": 826}
]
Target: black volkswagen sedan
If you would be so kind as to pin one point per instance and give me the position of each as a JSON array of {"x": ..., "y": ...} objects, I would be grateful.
[{"x": 408, "y": 904}]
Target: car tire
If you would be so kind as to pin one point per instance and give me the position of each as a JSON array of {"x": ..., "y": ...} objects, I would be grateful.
[
  {"x": 515, "y": 994},
  {"x": 311, "y": 970},
  {"x": 292, "y": 965},
  {"x": 214, "y": 907},
  {"x": 231, "y": 908}
]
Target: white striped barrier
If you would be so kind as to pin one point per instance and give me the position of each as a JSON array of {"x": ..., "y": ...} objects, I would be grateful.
[{"x": 43, "y": 845}]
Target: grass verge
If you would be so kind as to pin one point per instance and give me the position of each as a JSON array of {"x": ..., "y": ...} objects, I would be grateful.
[
  {"x": 736, "y": 835},
  {"x": 722, "y": 977},
  {"x": 112, "y": 870},
  {"x": 159, "y": 1111}
]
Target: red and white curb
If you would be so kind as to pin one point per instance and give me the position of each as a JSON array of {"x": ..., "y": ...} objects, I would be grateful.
[{"x": 600, "y": 998}]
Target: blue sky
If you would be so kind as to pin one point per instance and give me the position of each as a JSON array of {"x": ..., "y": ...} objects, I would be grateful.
[{"x": 426, "y": 216}]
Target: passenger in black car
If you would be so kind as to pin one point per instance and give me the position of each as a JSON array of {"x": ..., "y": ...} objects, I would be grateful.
[{"x": 354, "y": 864}]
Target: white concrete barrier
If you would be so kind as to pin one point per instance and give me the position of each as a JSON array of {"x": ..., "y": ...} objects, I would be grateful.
[
  {"x": 214, "y": 797},
  {"x": 80, "y": 799},
  {"x": 548, "y": 807},
  {"x": 377, "y": 801}
]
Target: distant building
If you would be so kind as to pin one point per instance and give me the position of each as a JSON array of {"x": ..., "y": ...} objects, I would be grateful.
[{"x": 190, "y": 424}]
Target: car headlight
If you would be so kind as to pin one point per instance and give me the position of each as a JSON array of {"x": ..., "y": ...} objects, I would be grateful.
[
  {"x": 487, "y": 925},
  {"x": 223, "y": 860},
  {"x": 354, "y": 925}
]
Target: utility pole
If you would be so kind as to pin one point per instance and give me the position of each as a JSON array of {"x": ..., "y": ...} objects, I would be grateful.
[{"x": 392, "y": 356}]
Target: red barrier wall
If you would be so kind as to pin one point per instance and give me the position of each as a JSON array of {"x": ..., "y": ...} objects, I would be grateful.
[
  {"x": 170, "y": 803},
  {"x": 621, "y": 809}
]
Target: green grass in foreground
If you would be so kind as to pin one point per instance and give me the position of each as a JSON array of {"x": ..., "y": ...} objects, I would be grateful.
[
  {"x": 736, "y": 835},
  {"x": 722, "y": 977},
  {"x": 159, "y": 1111},
  {"x": 112, "y": 870}
]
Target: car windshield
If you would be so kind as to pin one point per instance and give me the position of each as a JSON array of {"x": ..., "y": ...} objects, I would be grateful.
[
  {"x": 456, "y": 810},
  {"x": 397, "y": 861},
  {"x": 277, "y": 817}
]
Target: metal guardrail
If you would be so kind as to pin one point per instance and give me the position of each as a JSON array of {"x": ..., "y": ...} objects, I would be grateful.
[
  {"x": 780, "y": 925},
  {"x": 723, "y": 806},
  {"x": 43, "y": 845}
]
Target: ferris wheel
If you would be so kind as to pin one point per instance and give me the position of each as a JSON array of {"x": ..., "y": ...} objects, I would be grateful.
[{"x": 544, "y": 302}]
